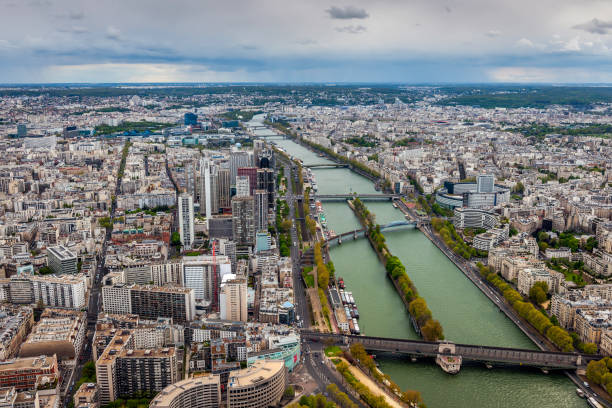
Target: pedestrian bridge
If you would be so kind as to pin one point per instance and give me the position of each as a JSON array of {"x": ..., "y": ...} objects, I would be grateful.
[
  {"x": 356, "y": 234},
  {"x": 490, "y": 356}
]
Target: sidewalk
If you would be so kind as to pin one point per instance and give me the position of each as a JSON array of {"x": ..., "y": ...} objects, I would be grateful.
[{"x": 372, "y": 385}]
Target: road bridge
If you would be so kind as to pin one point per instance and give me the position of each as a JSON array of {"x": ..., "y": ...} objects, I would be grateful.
[
  {"x": 360, "y": 233},
  {"x": 326, "y": 166},
  {"x": 362, "y": 197},
  {"x": 491, "y": 356}
]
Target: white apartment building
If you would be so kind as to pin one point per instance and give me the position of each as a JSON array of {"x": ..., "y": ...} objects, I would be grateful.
[
  {"x": 59, "y": 291},
  {"x": 529, "y": 276},
  {"x": 185, "y": 215},
  {"x": 116, "y": 299},
  {"x": 233, "y": 298}
]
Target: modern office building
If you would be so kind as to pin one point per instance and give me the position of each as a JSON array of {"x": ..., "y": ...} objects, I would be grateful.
[
  {"x": 199, "y": 392},
  {"x": 190, "y": 119},
  {"x": 22, "y": 130},
  {"x": 62, "y": 260},
  {"x": 233, "y": 298},
  {"x": 251, "y": 173},
  {"x": 228, "y": 248},
  {"x": 209, "y": 199},
  {"x": 260, "y": 386},
  {"x": 266, "y": 182},
  {"x": 485, "y": 183},
  {"x": 224, "y": 189},
  {"x": 261, "y": 210},
  {"x": 239, "y": 159},
  {"x": 243, "y": 220},
  {"x": 474, "y": 218},
  {"x": 263, "y": 241},
  {"x": 185, "y": 215},
  {"x": 472, "y": 195},
  {"x": 243, "y": 186}
]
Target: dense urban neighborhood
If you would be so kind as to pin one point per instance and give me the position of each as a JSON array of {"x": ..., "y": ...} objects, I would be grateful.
[{"x": 344, "y": 246}]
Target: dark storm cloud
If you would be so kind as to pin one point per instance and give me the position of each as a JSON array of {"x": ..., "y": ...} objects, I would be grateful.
[
  {"x": 347, "y": 13},
  {"x": 595, "y": 26}
]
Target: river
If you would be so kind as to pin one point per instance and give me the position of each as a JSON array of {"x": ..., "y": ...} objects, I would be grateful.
[{"x": 465, "y": 313}]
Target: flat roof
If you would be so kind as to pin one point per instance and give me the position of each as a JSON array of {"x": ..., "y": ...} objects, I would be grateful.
[
  {"x": 168, "y": 394},
  {"x": 260, "y": 371}
]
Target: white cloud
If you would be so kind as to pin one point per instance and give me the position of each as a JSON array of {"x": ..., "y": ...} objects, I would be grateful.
[
  {"x": 525, "y": 42},
  {"x": 113, "y": 33},
  {"x": 139, "y": 73},
  {"x": 548, "y": 75},
  {"x": 351, "y": 29},
  {"x": 493, "y": 33}
]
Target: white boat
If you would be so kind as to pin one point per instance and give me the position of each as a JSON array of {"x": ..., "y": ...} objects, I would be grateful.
[
  {"x": 580, "y": 393},
  {"x": 449, "y": 364}
]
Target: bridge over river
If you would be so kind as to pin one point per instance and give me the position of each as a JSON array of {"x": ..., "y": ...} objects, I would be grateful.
[
  {"x": 351, "y": 196},
  {"x": 356, "y": 234},
  {"x": 491, "y": 356}
]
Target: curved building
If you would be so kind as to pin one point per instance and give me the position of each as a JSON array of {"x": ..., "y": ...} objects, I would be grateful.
[
  {"x": 474, "y": 218},
  {"x": 197, "y": 392},
  {"x": 483, "y": 194},
  {"x": 259, "y": 386}
]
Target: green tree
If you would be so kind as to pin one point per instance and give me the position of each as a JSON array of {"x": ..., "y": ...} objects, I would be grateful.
[
  {"x": 175, "y": 239},
  {"x": 289, "y": 392},
  {"x": 432, "y": 330},
  {"x": 590, "y": 348},
  {"x": 537, "y": 294},
  {"x": 596, "y": 370}
]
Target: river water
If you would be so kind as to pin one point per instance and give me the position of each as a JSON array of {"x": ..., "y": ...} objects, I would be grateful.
[{"x": 465, "y": 313}]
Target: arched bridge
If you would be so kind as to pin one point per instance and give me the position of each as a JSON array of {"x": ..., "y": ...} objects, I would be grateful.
[
  {"x": 352, "y": 235},
  {"x": 502, "y": 356}
]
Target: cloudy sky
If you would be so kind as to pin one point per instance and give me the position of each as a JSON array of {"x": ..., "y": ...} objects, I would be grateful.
[{"x": 409, "y": 41}]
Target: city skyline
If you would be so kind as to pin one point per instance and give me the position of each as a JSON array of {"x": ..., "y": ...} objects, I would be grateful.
[{"x": 319, "y": 41}]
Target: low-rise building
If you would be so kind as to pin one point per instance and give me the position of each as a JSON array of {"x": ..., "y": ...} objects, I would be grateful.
[
  {"x": 591, "y": 324},
  {"x": 86, "y": 396},
  {"x": 529, "y": 276},
  {"x": 562, "y": 253},
  {"x": 24, "y": 373},
  {"x": 59, "y": 331}
]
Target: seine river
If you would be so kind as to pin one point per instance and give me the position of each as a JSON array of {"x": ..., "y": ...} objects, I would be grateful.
[{"x": 465, "y": 313}]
